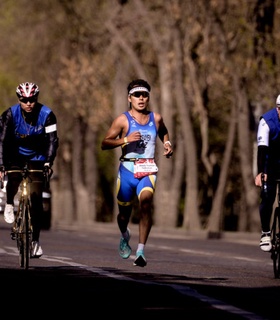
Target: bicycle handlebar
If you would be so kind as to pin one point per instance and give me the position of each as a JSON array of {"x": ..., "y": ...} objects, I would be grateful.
[
  {"x": 47, "y": 172},
  {"x": 25, "y": 171}
]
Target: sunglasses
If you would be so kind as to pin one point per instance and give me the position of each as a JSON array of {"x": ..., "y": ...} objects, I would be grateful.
[
  {"x": 25, "y": 100},
  {"x": 138, "y": 94}
]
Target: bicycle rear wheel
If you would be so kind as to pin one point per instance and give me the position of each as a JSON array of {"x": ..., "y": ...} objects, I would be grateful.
[{"x": 275, "y": 251}]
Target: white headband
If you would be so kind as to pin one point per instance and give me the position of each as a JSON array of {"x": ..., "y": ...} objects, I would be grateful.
[{"x": 138, "y": 89}]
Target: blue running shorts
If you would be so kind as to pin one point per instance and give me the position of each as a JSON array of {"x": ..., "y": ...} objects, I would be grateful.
[{"x": 128, "y": 186}]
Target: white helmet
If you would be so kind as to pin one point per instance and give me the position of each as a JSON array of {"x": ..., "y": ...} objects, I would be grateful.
[{"x": 27, "y": 90}]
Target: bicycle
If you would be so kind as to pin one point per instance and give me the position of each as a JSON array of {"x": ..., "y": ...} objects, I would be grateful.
[
  {"x": 275, "y": 230},
  {"x": 275, "y": 235},
  {"x": 21, "y": 230}
]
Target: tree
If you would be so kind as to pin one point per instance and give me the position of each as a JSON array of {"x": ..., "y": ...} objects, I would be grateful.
[{"x": 211, "y": 65}]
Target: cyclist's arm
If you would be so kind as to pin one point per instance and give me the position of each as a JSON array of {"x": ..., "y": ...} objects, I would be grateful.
[
  {"x": 263, "y": 143},
  {"x": 6, "y": 121},
  {"x": 52, "y": 138}
]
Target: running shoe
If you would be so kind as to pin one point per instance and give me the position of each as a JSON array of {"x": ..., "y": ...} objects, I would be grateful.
[
  {"x": 36, "y": 250},
  {"x": 9, "y": 213},
  {"x": 124, "y": 248},
  {"x": 140, "y": 259},
  {"x": 265, "y": 242}
]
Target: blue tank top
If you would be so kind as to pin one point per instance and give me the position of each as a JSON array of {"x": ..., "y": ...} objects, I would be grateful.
[
  {"x": 23, "y": 131},
  {"x": 273, "y": 158},
  {"x": 144, "y": 148},
  {"x": 272, "y": 120}
]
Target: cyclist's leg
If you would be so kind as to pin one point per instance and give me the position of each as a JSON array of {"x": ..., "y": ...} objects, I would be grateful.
[
  {"x": 266, "y": 206},
  {"x": 36, "y": 196},
  {"x": 13, "y": 182},
  {"x": 265, "y": 210}
]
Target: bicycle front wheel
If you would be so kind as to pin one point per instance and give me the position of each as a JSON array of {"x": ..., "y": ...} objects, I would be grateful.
[
  {"x": 24, "y": 248},
  {"x": 275, "y": 251}
]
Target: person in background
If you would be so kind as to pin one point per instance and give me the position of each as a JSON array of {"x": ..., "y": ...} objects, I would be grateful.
[
  {"x": 268, "y": 164},
  {"x": 28, "y": 136},
  {"x": 135, "y": 131}
]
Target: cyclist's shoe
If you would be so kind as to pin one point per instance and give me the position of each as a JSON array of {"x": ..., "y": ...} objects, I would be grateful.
[
  {"x": 124, "y": 247},
  {"x": 36, "y": 250},
  {"x": 265, "y": 243},
  {"x": 9, "y": 215},
  {"x": 140, "y": 259}
]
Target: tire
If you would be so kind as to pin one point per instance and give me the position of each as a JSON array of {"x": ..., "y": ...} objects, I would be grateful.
[
  {"x": 18, "y": 235},
  {"x": 275, "y": 251},
  {"x": 21, "y": 250},
  {"x": 26, "y": 238},
  {"x": 24, "y": 241}
]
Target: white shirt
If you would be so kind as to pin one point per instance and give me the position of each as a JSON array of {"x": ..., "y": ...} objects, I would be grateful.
[{"x": 263, "y": 133}]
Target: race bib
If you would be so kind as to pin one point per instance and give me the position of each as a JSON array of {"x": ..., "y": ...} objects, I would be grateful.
[{"x": 144, "y": 167}]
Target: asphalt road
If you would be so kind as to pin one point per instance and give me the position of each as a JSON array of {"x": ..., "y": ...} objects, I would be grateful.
[{"x": 187, "y": 275}]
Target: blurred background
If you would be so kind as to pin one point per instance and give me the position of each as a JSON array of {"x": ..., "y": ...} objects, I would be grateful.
[{"x": 213, "y": 67}]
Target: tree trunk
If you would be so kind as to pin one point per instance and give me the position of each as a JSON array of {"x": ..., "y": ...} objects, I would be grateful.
[
  {"x": 250, "y": 212},
  {"x": 191, "y": 219},
  {"x": 81, "y": 199},
  {"x": 214, "y": 225},
  {"x": 165, "y": 198},
  {"x": 91, "y": 173},
  {"x": 61, "y": 183}
]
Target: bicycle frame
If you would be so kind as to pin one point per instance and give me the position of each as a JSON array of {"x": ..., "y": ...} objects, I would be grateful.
[{"x": 22, "y": 226}]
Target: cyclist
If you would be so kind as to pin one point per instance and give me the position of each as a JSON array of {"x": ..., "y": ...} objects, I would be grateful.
[
  {"x": 28, "y": 135},
  {"x": 135, "y": 131},
  {"x": 268, "y": 160}
]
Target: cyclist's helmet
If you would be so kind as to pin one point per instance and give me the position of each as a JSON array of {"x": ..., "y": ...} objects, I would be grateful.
[{"x": 27, "y": 90}]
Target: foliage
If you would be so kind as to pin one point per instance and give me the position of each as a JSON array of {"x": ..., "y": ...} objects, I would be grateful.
[{"x": 78, "y": 50}]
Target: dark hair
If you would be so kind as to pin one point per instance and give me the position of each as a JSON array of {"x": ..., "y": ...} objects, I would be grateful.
[{"x": 138, "y": 83}]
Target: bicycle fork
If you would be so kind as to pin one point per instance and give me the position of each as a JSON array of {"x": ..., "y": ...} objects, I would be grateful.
[{"x": 19, "y": 226}]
